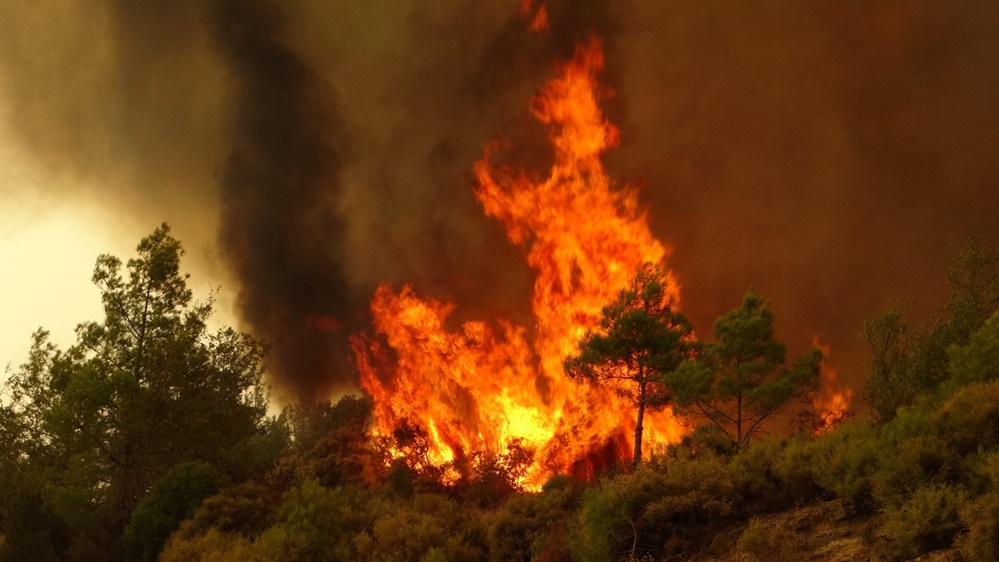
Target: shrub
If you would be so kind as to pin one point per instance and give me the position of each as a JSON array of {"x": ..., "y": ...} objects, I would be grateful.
[
  {"x": 654, "y": 512},
  {"x": 755, "y": 477},
  {"x": 491, "y": 478},
  {"x": 409, "y": 531},
  {"x": 706, "y": 438},
  {"x": 523, "y": 527},
  {"x": 839, "y": 463},
  {"x": 173, "y": 498},
  {"x": 981, "y": 517},
  {"x": 916, "y": 462},
  {"x": 970, "y": 418},
  {"x": 212, "y": 546},
  {"x": 246, "y": 509},
  {"x": 316, "y": 523},
  {"x": 794, "y": 468},
  {"x": 978, "y": 360},
  {"x": 910, "y": 421},
  {"x": 761, "y": 542},
  {"x": 927, "y": 521},
  {"x": 844, "y": 460},
  {"x": 423, "y": 526}
]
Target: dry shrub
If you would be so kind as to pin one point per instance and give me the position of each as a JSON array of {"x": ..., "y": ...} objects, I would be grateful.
[
  {"x": 927, "y": 521},
  {"x": 969, "y": 420},
  {"x": 763, "y": 542}
]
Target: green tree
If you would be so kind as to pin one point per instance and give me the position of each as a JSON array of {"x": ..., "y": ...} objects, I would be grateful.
[
  {"x": 641, "y": 338},
  {"x": 905, "y": 361},
  {"x": 148, "y": 387},
  {"x": 979, "y": 359},
  {"x": 974, "y": 288},
  {"x": 889, "y": 384},
  {"x": 741, "y": 379}
]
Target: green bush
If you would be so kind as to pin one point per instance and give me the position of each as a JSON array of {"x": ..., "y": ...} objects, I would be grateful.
[
  {"x": 246, "y": 509},
  {"x": 409, "y": 531},
  {"x": 915, "y": 463},
  {"x": 969, "y": 419},
  {"x": 794, "y": 469},
  {"x": 978, "y": 360},
  {"x": 910, "y": 421},
  {"x": 761, "y": 542},
  {"x": 707, "y": 439},
  {"x": 837, "y": 463},
  {"x": 844, "y": 460},
  {"x": 981, "y": 517},
  {"x": 173, "y": 498},
  {"x": 755, "y": 477},
  {"x": 423, "y": 526},
  {"x": 316, "y": 524},
  {"x": 927, "y": 521},
  {"x": 525, "y": 525},
  {"x": 652, "y": 512},
  {"x": 212, "y": 546}
]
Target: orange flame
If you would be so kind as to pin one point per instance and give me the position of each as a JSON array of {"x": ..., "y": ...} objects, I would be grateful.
[
  {"x": 832, "y": 402},
  {"x": 537, "y": 14},
  {"x": 485, "y": 387}
]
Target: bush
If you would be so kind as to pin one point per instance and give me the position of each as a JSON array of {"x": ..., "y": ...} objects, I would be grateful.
[
  {"x": 839, "y": 463},
  {"x": 927, "y": 521},
  {"x": 525, "y": 525},
  {"x": 755, "y": 477},
  {"x": 423, "y": 526},
  {"x": 970, "y": 418},
  {"x": 246, "y": 509},
  {"x": 981, "y": 517},
  {"x": 917, "y": 462},
  {"x": 761, "y": 542},
  {"x": 316, "y": 524},
  {"x": 212, "y": 546},
  {"x": 794, "y": 468},
  {"x": 491, "y": 479},
  {"x": 409, "y": 531},
  {"x": 707, "y": 439},
  {"x": 844, "y": 460},
  {"x": 654, "y": 512},
  {"x": 910, "y": 421},
  {"x": 978, "y": 360},
  {"x": 173, "y": 498}
]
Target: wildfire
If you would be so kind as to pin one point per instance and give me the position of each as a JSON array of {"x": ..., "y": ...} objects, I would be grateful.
[
  {"x": 832, "y": 401},
  {"x": 485, "y": 387},
  {"x": 536, "y": 14}
]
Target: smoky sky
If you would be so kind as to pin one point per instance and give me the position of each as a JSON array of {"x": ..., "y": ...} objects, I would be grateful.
[{"x": 827, "y": 154}]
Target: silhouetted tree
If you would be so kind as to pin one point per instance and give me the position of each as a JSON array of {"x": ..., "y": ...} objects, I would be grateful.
[
  {"x": 641, "y": 338},
  {"x": 146, "y": 388},
  {"x": 740, "y": 380}
]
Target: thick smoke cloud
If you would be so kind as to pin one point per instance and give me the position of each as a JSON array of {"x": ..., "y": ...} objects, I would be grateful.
[
  {"x": 830, "y": 154},
  {"x": 279, "y": 230},
  {"x": 827, "y": 154}
]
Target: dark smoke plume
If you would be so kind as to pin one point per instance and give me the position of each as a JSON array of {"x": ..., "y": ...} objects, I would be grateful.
[
  {"x": 828, "y": 154},
  {"x": 279, "y": 228}
]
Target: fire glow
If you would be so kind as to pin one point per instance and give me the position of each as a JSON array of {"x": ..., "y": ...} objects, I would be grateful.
[
  {"x": 485, "y": 387},
  {"x": 832, "y": 402}
]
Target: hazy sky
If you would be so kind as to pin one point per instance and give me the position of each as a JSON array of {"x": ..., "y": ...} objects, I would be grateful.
[{"x": 827, "y": 153}]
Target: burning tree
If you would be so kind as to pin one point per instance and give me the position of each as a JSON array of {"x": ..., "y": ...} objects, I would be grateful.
[
  {"x": 740, "y": 380},
  {"x": 483, "y": 385},
  {"x": 641, "y": 339}
]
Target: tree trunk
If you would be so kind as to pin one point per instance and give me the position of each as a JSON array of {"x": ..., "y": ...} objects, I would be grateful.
[{"x": 638, "y": 432}]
